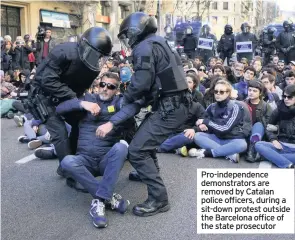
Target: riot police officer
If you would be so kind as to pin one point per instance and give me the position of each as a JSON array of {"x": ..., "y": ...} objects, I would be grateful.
[
  {"x": 66, "y": 73},
  {"x": 268, "y": 44},
  {"x": 246, "y": 36},
  {"x": 206, "y": 51},
  {"x": 159, "y": 77},
  {"x": 226, "y": 43},
  {"x": 189, "y": 43},
  {"x": 286, "y": 43}
]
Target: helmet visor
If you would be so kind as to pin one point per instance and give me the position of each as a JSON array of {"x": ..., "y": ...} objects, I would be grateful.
[{"x": 92, "y": 58}]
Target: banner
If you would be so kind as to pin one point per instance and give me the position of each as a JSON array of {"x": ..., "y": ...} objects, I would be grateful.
[
  {"x": 244, "y": 47},
  {"x": 205, "y": 43}
]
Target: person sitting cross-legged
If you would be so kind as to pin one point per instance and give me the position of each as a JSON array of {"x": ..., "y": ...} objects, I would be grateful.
[
  {"x": 98, "y": 154},
  {"x": 225, "y": 129},
  {"x": 281, "y": 133}
]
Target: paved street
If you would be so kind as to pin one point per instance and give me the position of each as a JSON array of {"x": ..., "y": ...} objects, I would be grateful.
[{"x": 37, "y": 204}]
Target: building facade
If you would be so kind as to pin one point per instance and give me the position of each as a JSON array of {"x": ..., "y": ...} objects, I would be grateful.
[{"x": 68, "y": 19}]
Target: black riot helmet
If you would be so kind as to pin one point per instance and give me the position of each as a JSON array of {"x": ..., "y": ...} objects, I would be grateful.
[
  {"x": 189, "y": 30},
  {"x": 228, "y": 29},
  {"x": 271, "y": 30},
  {"x": 287, "y": 25},
  {"x": 206, "y": 29},
  {"x": 245, "y": 27},
  {"x": 95, "y": 46},
  {"x": 135, "y": 28}
]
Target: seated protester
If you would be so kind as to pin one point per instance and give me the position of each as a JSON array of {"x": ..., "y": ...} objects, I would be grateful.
[
  {"x": 280, "y": 74},
  {"x": 230, "y": 75},
  {"x": 199, "y": 60},
  {"x": 21, "y": 92},
  {"x": 292, "y": 65},
  {"x": 185, "y": 135},
  {"x": 245, "y": 62},
  {"x": 209, "y": 94},
  {"x": 226, "y": 127},
  {"x": 193, "y": 82},
  {"x": 281, "y": 133},
  {"x": 219, "y": 61},
  {"x": 36, "y": 134},
  {"x": 257, "y": 64},
  {"x": 218, "y": 70},
  {"x": 6, "y": 86},
  {"x": 211, "y": 62},
  {"x": 269, "y": 83},
  {"x": 238, "y": 71},
  {"x": 260, "y": 112},
  {"x": 289, "y": 79},
  {"x": 125, "y": 77},
  {"x": 242, "y": 86},
  {"x": 98, "y": 154}
]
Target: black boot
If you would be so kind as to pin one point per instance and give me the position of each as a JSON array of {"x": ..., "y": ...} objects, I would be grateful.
[
  {"x": 251, "y": 154},
  {"x": 150, "y": 208},
  {"x": 133, "y": 176}
]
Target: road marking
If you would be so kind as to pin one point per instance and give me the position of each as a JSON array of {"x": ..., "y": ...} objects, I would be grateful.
[
  {"x": 26, "y": 159},
  {"x": 265, "y": 164}
]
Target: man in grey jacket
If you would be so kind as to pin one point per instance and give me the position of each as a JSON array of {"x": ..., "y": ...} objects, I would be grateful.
[{"x": 44, "y": 45}]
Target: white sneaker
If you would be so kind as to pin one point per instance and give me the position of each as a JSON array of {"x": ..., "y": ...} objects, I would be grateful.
[
  {"x": 235, "y": 158},
  {"x": 125, "y": 143},
  {"x": 198, "y": 153},
  {"x": 34, "y": 144}
]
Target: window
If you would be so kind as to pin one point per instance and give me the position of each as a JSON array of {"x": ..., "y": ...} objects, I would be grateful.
[
  {"x": 225, "y": 5},
  {"x": 10, "y": 22},
  {"x": 214, "y": 5},
  {"x": 105, "y": 11}
]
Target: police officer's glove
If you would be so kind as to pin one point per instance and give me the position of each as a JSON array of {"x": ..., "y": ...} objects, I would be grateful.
[
  {"x": 271, "y": 128},
  {"x": 284, "y": 50}
]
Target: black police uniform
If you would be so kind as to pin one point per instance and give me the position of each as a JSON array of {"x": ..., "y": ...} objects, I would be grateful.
[
  {"x": 63, "y": 75},
  {"x": 226, "y": 45},
  {"x": 190, "y": 45},
  {"x": 268, "y": 44},
  {"x": 286, "y": 44},
  {"x": 205, "y": 53},
  {"x": 155, "y": 64}
]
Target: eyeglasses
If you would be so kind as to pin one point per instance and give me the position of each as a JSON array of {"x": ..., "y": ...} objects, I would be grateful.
[
  {"x": 108, "y": 85},
  {"x": 202, "y": 70},
  {"x": 288, "y": 97},
  {"x": 219, "y": 92}
]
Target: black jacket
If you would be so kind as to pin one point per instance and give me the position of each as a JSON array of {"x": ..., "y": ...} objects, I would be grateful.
[
  {"x": 190, "y": 43},
  {"x": 226, "y": 43},
  {"x": 88, "y": 143},
  {"x": 62, "y": 74},
  {"x": 20, "y": 57},
  {"x": 263, "y": 112},
  {"x": 284, "y": 117},
  {"x": 233, "y": 123},
  {"x": 286, "y": 40}
]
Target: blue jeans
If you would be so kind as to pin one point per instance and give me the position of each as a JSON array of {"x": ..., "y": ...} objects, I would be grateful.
[
  {"x": 83, "y": 168},
  {"x": 257, "y": 130},
  {"x": 281, "y": 158},
  {"x": 175, "y": 142},
  {"x": 40, "y": 135},
  {"x": 220, "y": 147}
]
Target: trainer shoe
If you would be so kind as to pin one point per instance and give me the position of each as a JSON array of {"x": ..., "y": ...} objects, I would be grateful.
[
  {"x": 198, "y": 153},
  {"x": 45, "y": 153},
  {"x": 18, "y": 120},
  {"x": 34, "y": 144},
  {"x": 235, "y": 158},
  {"x": 97, "y": 212},
  {"x": 182, "y": 151},
  {"x": 23, "y": 139},
  {"x": 117, "y": 203}
]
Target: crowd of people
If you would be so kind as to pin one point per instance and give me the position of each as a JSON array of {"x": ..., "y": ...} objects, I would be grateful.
[{"x": 245, "y": 108}]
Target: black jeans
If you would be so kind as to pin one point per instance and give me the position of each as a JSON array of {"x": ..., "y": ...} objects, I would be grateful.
[{"x": 150, "y": 135}]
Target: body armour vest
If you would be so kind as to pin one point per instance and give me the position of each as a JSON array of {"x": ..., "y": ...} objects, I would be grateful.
[{"x": 171, "y": 78}]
